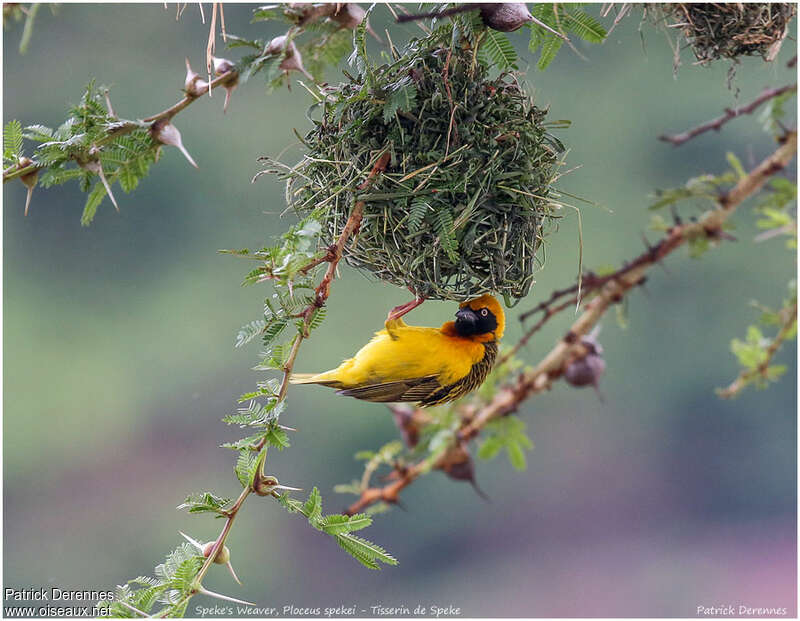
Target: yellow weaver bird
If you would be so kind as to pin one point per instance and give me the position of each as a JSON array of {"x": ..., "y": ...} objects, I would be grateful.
[{"x": 428, "y": 366}]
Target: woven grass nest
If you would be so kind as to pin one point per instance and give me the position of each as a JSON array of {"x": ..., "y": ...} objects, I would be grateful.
[
  {"x": 462, "y": 206},
  {"x": 731, "y": 30}
]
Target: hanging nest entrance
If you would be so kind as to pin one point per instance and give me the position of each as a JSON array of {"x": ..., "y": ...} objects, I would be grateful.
[
  {"x": 731, "y": 30},
  {"x": 464, "y": 203}
]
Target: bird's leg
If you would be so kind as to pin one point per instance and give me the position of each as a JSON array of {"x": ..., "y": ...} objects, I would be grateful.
[
  {"x": 393, "y": 319},
  {"x": 399, "y": 311}
]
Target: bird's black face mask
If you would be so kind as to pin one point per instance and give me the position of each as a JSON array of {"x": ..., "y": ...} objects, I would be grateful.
[{"x": 470, "y": 322}]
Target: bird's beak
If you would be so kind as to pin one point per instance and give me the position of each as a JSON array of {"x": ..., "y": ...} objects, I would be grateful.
[{"x": 466, "y": 317}]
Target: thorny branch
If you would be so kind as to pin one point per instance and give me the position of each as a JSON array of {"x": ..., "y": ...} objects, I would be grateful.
[
  {"x": 126, "y": 127},
  {"x": 788, "y": 319},
  {"x": 607, "y": 290},
  {"x": 321, "y": 293},
  {"x": 730, "y": 113}
]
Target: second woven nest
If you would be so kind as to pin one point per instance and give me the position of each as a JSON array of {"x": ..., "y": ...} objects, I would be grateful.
[{"x": 731, "y": 30}]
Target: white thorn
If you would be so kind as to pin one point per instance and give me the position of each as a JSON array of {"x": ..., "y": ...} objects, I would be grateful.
[
  {"x": 108, "y": 188},
  {"x": 546, "y": 27},
  {"x": 127, "y": 605},
  {"x": 205, "y": 591},
  {"x": 233, "y": 573},
  {"x": 97, "y": 168},
  {"x": 228, "y": 92},
  {"x": 28, "y": 199},
  {"x": 187, "y": 156},
  {"x": 195, "y": 543}
]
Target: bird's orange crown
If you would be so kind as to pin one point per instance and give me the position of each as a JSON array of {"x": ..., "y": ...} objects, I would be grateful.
[
  {"x": 481, "y": 319},
  {"x": 489, "y": 301}
]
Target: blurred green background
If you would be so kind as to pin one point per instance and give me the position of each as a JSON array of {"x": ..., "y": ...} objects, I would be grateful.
[{"x": 119, "y": 358}]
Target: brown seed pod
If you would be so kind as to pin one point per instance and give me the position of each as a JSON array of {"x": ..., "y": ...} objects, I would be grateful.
[
  {"x": 193, "y": 85},
  {"x": 292, "y": 60},
  {"x": 588, "y": 370},
  {"x": 458, "y": 465},
  {"x": 224, "y": 66},
  {"x": 307, "y": 12},
  {"x": 505, "y": 16},
  {"x": 223, "y": 556},
  {"x": 349, "y": 15},
  {"x": 585, "y": 371},
  {"x": 404, "y": 419},
  {"x": 269, "y": 486},
  {"x": 502, "y": 16}
]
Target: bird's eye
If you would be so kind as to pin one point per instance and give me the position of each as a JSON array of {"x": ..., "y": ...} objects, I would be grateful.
[{"x": 484, "y": 312}]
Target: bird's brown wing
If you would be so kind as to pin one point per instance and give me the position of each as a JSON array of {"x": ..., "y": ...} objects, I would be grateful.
[{"x": 416, "y": 389}]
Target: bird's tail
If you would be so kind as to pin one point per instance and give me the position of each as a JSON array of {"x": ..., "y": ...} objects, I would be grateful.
[
  {"x": 302, "y": 378},
  {"x": 313, "y": 378}
]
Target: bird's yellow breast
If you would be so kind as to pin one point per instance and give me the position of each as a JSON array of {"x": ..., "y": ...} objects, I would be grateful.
[{"x": 409, "y": 352}]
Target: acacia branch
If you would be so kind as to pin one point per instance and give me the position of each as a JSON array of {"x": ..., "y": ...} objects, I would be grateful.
[
  {"x": 788, "y": 319},
  {"x": 570, "y": 347},
  {"x": 730, "y": 113},
  {"x": 126, "y": 127},
  {"x": 321, "y": 293}
]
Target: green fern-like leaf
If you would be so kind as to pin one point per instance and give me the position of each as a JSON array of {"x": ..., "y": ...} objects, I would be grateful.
[
  {"x": 273, "y": 330},
  {"x": 403, "y": 99},
  {"x": 92, "y": 203},
  {"x": 497, "y": 49},
  {"x": 582, "y": 24},
  {"x": 180, "y": 567},
  {"x": 507, "y": 433},
  {"x": 447, "y": 239},
  {"x": 359, "y": 59},
  {"x": 277, "y": 437},
  {"x": 250, "y": 331},
  {"x": 317, "y": 317},
  {"x": 550, "y": 46},
  {"x": 12, "y": 141},
  {"x": 57, "y": 176},
  {"x": 244, "y": 443},
  {"x": 246, "y": 467},
  {"x": 255, "y": 414},
  {"x": 326, "y": 51},
  {"x": 312, "y": 508},
  {"x": 205, "y": 502},
  {"x": 366, "y": 552},
  {"x": 275, "y": 358},
  {"x": 270, "y": 12},
  {"x": 416, "y": 214},
  {"x": 38, "y": 133},
  {"x": 233, "y": 42},
  {"x": 338, "y": 524}
]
